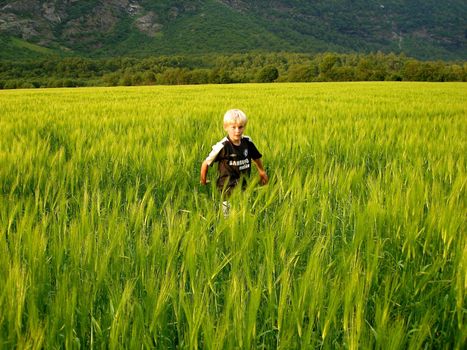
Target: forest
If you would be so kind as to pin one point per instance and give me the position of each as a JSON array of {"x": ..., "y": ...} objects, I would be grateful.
[{"x": 224, "y": 69}]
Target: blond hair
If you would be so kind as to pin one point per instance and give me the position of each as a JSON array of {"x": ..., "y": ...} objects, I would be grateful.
[{"x": 235, "y": 116}]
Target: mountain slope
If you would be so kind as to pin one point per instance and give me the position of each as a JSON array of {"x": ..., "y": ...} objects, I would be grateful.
[{"x": 424, "y": 29}]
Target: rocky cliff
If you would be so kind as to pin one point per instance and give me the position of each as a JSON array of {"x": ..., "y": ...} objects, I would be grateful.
[{"x": 424, "y": 29}]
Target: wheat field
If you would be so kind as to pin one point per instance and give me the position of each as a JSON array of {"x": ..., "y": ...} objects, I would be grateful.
[{"x": 107, "y": 240}]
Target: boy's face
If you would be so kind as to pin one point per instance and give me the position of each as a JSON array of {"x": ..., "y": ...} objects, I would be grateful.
[{"x": 235, "y": 131}]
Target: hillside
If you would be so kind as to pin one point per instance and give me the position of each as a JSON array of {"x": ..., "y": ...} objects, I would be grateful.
[{"x": 423, "y": 29}]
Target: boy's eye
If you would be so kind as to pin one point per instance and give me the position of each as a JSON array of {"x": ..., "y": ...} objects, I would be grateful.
[{"x": 237, "y": 127}]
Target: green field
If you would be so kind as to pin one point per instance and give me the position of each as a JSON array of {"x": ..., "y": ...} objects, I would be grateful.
[{"x": 358, "y": 241}]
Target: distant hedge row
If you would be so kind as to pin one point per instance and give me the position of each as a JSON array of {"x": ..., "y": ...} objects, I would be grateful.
[{"x": 216, "y": 69}]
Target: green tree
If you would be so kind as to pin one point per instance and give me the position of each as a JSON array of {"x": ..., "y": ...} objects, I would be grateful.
[
  {"x": 148, "y": 78},
  {"x": 455, "y": 73},
  {"x": 267, "y": 74},
  {"x": 199, "y": 76},
  {"x": 220, "y": 76},
  {"x": 343, "y": 73},
  {"x": 411, "y": 70},
  {"x": 126, "y": 79},
  {"x": 111, "y": 79},
  {"x": 300, "y": 73},
  {"x": 328, "y": 61},
  {"x": 173, "y": 76}
]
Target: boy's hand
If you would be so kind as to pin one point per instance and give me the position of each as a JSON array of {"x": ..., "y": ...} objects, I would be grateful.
[
  {"x": 203, "y": 174},
  {"x": 263, "y": 178}
]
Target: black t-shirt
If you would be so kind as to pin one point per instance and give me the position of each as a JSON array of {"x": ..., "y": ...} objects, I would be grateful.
[{"x": 234, "y": 161}]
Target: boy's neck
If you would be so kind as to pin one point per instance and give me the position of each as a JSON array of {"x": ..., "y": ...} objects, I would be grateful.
[{"x": 235, "y": 143}]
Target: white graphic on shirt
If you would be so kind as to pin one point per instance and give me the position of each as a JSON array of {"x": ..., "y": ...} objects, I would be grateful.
[{"x": 242, "y": 164}]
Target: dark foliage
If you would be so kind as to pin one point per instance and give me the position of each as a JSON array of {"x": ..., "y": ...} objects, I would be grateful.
[{"x": 238, "y": 68}]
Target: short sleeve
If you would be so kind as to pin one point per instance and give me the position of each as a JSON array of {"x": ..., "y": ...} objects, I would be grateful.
[
  {"x": 216, "y": 149},
  {"x": 253, "y": 151}
]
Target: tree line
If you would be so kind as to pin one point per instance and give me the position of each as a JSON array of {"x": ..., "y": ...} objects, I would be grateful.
[{"x": 225, "y": 69}]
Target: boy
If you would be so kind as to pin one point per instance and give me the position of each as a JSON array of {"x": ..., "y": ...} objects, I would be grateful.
[{"x": 234, "y": 154}]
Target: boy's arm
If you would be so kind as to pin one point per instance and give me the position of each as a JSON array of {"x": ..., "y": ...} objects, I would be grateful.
[
  {"x": 262, "y": 173},
  {"x": 216, "y": 149},
  {"x": 204, "y": 173}
]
